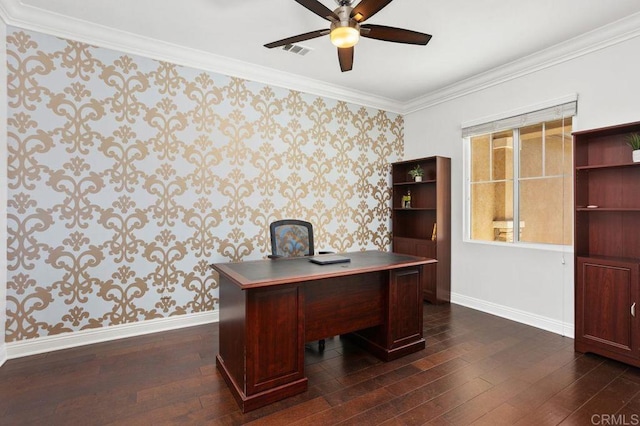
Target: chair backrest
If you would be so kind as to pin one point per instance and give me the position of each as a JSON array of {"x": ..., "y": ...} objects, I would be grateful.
[{"x": 291, "y": 237}]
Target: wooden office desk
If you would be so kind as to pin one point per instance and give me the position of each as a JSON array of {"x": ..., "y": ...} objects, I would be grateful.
[{"x": 270, "y": 308}]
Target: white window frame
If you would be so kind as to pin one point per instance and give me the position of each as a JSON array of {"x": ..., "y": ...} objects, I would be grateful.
[{"x": 466, "y": 162}]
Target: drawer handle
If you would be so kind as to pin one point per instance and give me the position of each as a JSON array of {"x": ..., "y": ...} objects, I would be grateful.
[{"x": 633, "y": 309}]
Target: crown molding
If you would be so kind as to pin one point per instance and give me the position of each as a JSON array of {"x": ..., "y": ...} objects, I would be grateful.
[
  {"x": 600, "y": 38},
  {"x": 16, "y": 14}
]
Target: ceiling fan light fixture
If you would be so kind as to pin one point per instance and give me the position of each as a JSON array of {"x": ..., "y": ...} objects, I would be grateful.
[{"x": 344, "y": 36}]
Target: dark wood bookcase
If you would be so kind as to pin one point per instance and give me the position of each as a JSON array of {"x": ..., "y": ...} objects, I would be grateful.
[
  {"x": 607, "y": 243},
  {"x": 424, "y": 229}
]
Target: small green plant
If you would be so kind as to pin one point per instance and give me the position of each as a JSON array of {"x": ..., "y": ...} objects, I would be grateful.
[
  {"x": 633, "y": 140},
  {"x": 416, "y": 171}
]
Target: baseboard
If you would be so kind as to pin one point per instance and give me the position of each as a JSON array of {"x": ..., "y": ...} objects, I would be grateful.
[
  {"x": 524, "y": 317},
  {"x": 3, "y": 355},
  {"x": 87, "y": 337}
]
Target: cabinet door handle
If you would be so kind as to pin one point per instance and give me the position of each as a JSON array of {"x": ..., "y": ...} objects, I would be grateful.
[{"x": 633, "y": 309}]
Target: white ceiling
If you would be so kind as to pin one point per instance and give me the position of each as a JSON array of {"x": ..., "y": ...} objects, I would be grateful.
[{"x": 470, "y": 38}]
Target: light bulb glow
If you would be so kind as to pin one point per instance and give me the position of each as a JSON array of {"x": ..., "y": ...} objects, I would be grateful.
[{"x": 345, "y": 36}]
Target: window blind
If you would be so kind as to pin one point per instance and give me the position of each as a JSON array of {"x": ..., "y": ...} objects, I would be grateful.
[{"x": 568, "y": 109}]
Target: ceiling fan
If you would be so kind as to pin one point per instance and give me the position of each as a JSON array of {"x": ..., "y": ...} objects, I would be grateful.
[{"x": 347, "y": 27}]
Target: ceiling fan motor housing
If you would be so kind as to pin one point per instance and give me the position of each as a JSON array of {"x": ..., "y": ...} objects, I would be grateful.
[{"x": 344, "y": 13}]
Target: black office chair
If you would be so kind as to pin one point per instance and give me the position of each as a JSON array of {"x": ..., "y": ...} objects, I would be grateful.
[{"x": 292, "y": 238}]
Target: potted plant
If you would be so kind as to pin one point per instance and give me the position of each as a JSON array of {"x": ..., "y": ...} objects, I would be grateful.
[
  {"x": 633, "y": 140},
  {"x": 416, "y": 173}
]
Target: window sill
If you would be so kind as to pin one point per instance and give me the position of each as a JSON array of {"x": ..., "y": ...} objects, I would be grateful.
[{"x": 534, "y": 246}]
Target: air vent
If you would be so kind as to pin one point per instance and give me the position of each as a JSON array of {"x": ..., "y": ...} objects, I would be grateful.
[{"x": 296, "y": 48}]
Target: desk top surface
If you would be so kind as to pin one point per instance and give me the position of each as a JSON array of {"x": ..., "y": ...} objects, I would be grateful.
[{"x": 262, "y": 273}]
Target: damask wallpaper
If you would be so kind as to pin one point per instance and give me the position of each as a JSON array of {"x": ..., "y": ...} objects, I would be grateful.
[{"x": 128, "y": 176}]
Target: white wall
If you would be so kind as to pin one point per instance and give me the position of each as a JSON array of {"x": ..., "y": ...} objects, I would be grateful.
[
  {"x": 528, "y": 285},
  {"x": 3, "y": 194}
]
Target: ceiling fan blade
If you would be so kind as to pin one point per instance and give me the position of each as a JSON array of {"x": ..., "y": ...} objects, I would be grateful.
[
  {"x": 319, "y": 9},
  {"x": 295, "y": 39},
  {"x": 345, "y": 56},
  {"x": 396, "y": 35},
  {"x": 367, "y": 8}
]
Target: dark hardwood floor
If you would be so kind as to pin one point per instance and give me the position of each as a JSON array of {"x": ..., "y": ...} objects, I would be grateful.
[{"x": 477, "y": 369}]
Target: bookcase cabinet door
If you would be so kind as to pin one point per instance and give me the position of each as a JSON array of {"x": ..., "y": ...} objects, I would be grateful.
[{"x": 606, "y": 297}]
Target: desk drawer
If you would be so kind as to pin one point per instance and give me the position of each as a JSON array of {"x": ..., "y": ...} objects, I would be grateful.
[{"x": 342, "y": 305}]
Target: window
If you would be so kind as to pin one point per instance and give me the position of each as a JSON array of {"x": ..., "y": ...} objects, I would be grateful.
[{"x": 519, "y": 178}]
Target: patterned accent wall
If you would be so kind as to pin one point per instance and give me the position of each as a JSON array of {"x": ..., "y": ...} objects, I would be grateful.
[{"x": 128, "y": 176}]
